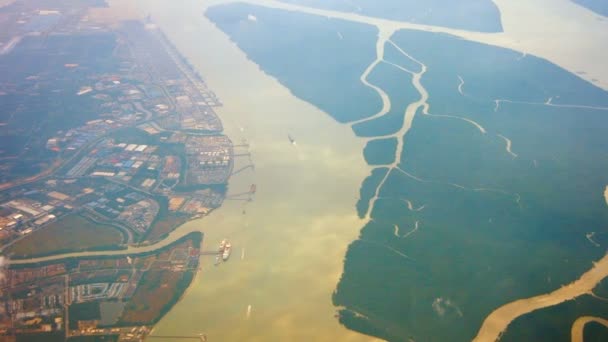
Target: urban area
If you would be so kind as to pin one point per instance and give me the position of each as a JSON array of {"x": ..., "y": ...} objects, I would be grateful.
[{"x": 108, "y": 139}]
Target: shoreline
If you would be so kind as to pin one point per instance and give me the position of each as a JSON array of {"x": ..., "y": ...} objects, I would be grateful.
[
  {"x": 496, "y": 322},
  {"x": 301, "y": 249},
  {"x": 499, "y": 320},
  {"x": 519, "y": 18},
  {"x": 578, "y": 327}
]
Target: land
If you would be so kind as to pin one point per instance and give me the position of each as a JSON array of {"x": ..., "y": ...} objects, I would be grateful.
[
  {"x": 464, "y": 216},
  {"x": 124, "y": 134},
  {"x": 496, "y": 323},
  {"x": 579, "y": 326},
  {"x": 65, "y": 234},
  {"x": 454, "y": 15},
  {"x": 596, "y": 6},
  {"x": 109, "y": 139},
  {"x": 121, "y": 297}
]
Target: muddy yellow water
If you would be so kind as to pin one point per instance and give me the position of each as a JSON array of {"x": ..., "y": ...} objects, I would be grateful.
[{"x": 289, "y": 242}]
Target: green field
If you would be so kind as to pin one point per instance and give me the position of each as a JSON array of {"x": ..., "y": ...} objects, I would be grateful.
[{"x": 72, "y": 233}]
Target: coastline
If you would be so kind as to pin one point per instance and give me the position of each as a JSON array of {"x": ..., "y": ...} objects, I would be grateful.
[
  {"x": 559, "y": 28},
  {"x": 498, "y": 321},
  {"x": 577, "y": 331},
  {"x": 221, "y": 218},
  {"x": 297, "y": 229},
  {"x": 501, "y": 317},
  {"x": 591, "y": 277}
]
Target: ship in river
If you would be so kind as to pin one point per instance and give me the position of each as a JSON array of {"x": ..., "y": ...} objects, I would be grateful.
[
  {"x": 227, "y": 250},
  {"x": 220, "y": 252},
  {"x": 223, "y": 253}
]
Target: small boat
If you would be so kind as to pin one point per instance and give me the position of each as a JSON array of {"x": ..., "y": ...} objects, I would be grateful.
[{"x": 291, "y": 139}]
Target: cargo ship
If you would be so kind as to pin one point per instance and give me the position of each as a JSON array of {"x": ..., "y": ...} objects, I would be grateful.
[
  {"x": 220, "y": 252},
  {"x": 227, "y": 250},
  {"x": 223, "y": 253}
]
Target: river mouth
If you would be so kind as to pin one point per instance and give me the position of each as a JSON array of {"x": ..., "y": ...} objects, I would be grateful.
[{"x": 290, "y": 241}]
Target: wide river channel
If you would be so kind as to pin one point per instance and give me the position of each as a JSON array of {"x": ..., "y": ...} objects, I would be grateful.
[{"x": 289, "y": 242}]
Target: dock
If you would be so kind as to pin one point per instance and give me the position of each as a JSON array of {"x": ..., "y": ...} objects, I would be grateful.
[{"x": 200, "y": 337}]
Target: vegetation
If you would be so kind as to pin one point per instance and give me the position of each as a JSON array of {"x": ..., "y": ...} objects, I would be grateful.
[
  {"x": 46, "y": 337},
  {"x": 72, "y": 233},
  {"x": 163, "y": 225},
  {"x": 380, "y": 151},
  {"x": 105, "y": 338},
  {"x": 39, "y": 109},
  {"x": 83, "y": 312},
  {"x": 478, "y": 224},
  {"x": 72, "y": 262},
  {"x": 368, "y": 189},
  {"x": 158, "y": 292}
]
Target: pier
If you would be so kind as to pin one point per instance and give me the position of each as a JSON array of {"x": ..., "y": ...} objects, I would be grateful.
[
  {"x": 209, "y": 253},
  {"x": 238, "y": 196},
  {"x": 243, "y": 169},
  {"x": 200, "y": 337}
]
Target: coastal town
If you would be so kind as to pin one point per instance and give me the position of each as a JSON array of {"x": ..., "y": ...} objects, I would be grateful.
[
  {"x": 154, "y": 147},
  {"x": 128, "y": 147},
  {"x": 118, "y": 297}
]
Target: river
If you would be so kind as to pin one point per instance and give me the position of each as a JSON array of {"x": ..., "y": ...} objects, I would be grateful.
[
  {"x": 289, "y": 243},
  {"x": 296, "y": 231},
  {"x": 294, "y": 235}
]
